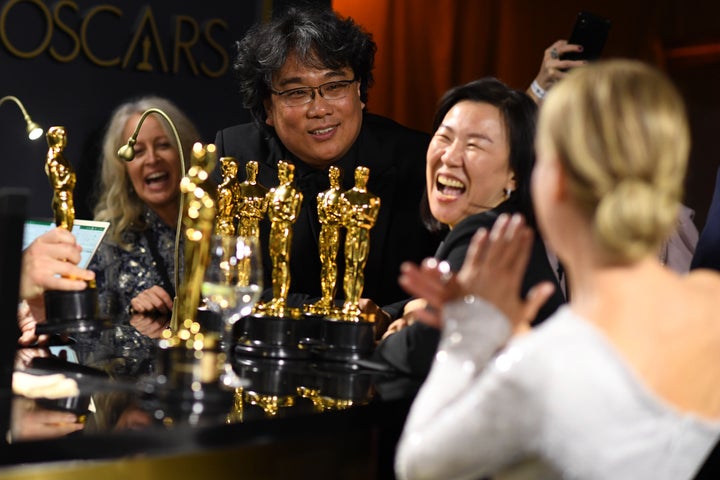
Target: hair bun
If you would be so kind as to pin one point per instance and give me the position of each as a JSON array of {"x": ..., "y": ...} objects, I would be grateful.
[{"x": 634, "y": 217}]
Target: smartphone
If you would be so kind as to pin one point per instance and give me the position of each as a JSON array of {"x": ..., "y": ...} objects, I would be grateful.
[{"x": 590, "y": 31}]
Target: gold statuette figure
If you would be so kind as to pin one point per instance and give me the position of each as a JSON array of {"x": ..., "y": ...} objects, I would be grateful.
[
  {"x": 198, "y": 222},
  {"x": 360, "y": 209},
  {"x": 252, "y": 203},
  {"x": 62, "y": 178},
  {"x": 66, "y": 309},
  {"x": 227, "y": 197},
  {"x": 330, "y": 214},
  {"x": 284, "y": 203}
]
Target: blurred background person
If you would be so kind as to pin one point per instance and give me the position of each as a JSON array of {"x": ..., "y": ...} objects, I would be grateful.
[
  {"x": 141, "y": 200},
  {"x": 678, "y": 250}
]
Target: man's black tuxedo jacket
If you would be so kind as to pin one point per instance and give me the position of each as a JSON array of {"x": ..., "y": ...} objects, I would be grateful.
[{"x": 395, "y": 156}]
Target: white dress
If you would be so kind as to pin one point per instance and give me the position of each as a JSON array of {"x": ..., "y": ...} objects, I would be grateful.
[{"x": 558, "y": 402}]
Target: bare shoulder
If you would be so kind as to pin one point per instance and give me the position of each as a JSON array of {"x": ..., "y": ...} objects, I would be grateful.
[
  {"x": 703, "y": 279},
  {"x": 703, "y": 286}
]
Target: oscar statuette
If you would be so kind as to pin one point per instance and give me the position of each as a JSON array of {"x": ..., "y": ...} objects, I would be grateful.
[
  {"x": 189, "y": 364},
  {"x": 198, "y": 220},
  {"x": 284, "y": 204},
  {"x": 329, "y": 209},
  {"x": 225, "y": 224},
  {"x": 349, "y": 334},
  {"x": 227, "y": 197},
  {"x": 66, "y": 311},
  {"x": 252, "y": 202},
  {"x": 274, "y": 328}
]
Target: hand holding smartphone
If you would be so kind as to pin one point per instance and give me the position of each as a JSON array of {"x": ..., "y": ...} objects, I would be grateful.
[{"x": 590, "y": 31}]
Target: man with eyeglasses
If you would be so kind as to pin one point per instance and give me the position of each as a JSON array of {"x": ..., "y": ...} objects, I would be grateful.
[{"x": 304, "y": 76}]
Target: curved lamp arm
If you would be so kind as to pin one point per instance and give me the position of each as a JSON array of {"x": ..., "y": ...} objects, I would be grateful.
[
  {"x": 34, "y": 130},
  {"x": 127, "y": 153}
]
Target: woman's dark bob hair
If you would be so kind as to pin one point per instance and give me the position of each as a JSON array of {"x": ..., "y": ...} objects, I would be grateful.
[{"x": 520, "y": 115}]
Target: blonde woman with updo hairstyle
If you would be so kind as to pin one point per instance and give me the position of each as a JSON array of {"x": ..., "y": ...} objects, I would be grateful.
[
  {"x": 141, "y": 200},
  {"x": 621, "y": 382},
  {"x": 629, "y": 184}
]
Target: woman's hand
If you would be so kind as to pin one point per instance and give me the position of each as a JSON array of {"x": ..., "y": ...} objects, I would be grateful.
[
  {"x": 380, "y": 317},
  {"x": 150, "y": 326},
  {"x": 50, "y": 263},
  {"x": 154, "y": 300},
  {"x": 495, "y": 266},
  {"x": 493, "y": 269},
  {"x": 433, "y": 282},
  {"x": 552, "y": 68},
  {"x": 408, "y": 317}
]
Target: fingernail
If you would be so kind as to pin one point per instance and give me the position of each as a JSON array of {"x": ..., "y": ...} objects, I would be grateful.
[
  {"x": 580, "y": 49},
  {"x": 430, "y": 262}
]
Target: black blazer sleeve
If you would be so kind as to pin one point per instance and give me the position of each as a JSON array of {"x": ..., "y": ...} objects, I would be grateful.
[
  {"x": 412, "y": 349},
  {"x": 707, "y": 250}
]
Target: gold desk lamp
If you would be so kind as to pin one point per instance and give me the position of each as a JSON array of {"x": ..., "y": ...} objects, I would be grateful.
[
  {"x": 34, "y": 131},
  {"x": 127, "y": 153},
  {"x": 187, "y": 356}
]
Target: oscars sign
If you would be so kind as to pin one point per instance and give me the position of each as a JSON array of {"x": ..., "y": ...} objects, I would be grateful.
[{"x": 68, "y": 30}]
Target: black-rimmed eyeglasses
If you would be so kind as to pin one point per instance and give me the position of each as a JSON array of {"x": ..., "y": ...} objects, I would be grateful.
[{"x": 302, "y": 95}]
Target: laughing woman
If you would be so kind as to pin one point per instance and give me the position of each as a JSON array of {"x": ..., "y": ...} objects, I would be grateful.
[
  {"x": 478, "y": 166},
  {"x": 141, "y": 200},
  {"x": 622, "y": 382}
]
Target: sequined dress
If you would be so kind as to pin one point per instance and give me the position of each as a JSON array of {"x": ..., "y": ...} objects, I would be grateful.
[
  {"x": 122, "y": 274},
  {"x": 558, "y": 402}
]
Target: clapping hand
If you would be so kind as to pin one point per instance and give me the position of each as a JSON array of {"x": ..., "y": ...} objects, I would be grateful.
[{"x": 493, "y": 269}]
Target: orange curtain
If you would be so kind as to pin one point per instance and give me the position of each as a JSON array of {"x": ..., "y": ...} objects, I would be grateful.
[
  {"x": 428, "y": 46},
  {"x": 424, "y": 47}
]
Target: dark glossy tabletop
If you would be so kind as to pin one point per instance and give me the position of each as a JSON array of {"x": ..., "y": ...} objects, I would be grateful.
[{"x": 129, "y": 405}]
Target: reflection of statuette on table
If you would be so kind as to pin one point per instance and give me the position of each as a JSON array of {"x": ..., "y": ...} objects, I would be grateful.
[
  {"x": 284, "y": 203},
  {"x": 330, "y": 215},
  {"x": 198, "y": 222},
  {"x": 252, "y": 203},
  {"x": 227, "y": 197},
  {"x": 62, "y": 178},
  {"x": 360, "y": 210}
]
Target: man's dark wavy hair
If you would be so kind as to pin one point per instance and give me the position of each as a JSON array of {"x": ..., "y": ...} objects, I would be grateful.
[
  {"x": 317, "y": 36},
  {"x": 520, "y": 115}
]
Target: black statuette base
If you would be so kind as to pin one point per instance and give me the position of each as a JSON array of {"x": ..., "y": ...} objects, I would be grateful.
[
  {"x": 71, "y": 312},
  {"x": 344, "y": 340},
  {"x": 271, "y": 336}
]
